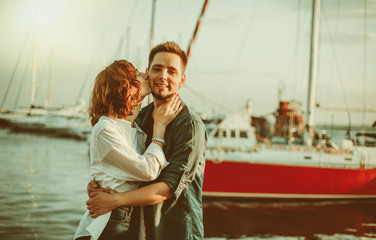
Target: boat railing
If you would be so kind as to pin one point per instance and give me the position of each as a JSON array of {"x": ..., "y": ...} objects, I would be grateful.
[
  {"x": 323, "y": 157},
  {"x": 302, "y": 148}
]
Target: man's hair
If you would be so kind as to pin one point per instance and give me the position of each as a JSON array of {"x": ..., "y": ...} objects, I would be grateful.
[
  {"x": 111, "y": 95},
  {"x": 171, "y": 47}
]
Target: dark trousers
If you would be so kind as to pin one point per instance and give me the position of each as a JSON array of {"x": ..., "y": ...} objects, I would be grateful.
[{"x": 119, "y": 225}]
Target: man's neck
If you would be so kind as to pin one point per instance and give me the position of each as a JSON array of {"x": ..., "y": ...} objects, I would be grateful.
[{"x": 158, "y": 102}]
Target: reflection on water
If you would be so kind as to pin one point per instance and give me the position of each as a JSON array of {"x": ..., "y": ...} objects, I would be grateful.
[
  {"x": 42, "y": 190},
  {"x": 308, "y": 219},
  {"x": 43, "y": 194}
]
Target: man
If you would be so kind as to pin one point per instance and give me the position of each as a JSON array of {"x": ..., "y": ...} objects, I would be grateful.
[{"x": 177, "y": 193}]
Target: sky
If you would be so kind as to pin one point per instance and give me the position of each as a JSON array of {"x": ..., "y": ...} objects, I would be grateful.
[{"x": 245, "y": 50}]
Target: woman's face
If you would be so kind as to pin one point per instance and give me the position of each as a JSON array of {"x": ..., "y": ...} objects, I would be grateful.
[{"x": 145, "y": 90}]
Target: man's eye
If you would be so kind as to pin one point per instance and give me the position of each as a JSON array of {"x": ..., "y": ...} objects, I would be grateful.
[{"x": 172, "y": 72}]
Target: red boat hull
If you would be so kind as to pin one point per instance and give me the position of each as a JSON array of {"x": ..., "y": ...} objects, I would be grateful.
[{"x": 255, "y": 180}]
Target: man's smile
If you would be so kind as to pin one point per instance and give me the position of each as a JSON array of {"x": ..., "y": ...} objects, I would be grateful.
[{"x": 161, "y": 86}]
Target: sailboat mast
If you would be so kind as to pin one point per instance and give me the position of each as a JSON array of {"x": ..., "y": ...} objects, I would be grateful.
[
  {"x": 310, "y": 113},
  {"x": 149, "y": 99},
  {"x": 35, "y": 57},
  {"x": 364, "y": 71},
  {"x": 49, "y": 81},
  {"x": 196, "y": 29},
  {"x": 152, "y": 26}
]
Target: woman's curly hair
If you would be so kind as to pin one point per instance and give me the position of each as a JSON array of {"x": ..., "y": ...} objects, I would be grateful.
[{"x": 112, "y": 96}]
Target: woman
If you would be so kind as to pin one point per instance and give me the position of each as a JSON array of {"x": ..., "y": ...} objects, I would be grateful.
[{"x": 116, "y": 141}]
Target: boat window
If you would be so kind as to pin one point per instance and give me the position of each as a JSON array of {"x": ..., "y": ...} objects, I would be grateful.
[
  {"x": 224, "y": 133},
  {"x": 243, "y": 134},
  {"x": 216, "y": 133},
  {"x": 233, "y": 133}
]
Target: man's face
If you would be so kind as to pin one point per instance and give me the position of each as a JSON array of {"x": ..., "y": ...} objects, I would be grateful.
[{"x": 165, "y": 75}]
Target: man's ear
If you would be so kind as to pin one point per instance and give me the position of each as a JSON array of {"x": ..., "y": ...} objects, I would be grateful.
[{"x": 182, "y": 82}]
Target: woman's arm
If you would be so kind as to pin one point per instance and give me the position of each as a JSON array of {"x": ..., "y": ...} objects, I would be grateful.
[
  {"x": 101, "y": 203},
  {"x": 117, "y": 154}
]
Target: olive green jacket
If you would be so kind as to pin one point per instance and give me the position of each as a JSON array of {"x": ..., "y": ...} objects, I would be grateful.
[{"x": 179, "y": 217}]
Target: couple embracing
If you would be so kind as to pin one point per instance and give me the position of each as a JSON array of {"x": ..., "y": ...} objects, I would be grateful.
[{"x": 148, "y": 165}]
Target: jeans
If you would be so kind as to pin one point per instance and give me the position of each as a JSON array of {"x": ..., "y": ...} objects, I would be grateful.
[{"x": 118, "y": 226}]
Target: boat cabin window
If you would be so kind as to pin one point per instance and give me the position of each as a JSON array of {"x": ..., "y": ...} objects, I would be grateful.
[
  {"x": 243, "y": 134},
  {"x": 220, "y": 133},
  {"x": 233, "y": 133},
  {"x": 216, "y": 133}
]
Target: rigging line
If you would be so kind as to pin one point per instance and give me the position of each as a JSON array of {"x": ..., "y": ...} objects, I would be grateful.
[
  {"x": 127, "y": 31},
  {"x": 85, "y": 81},
  {"x": 193, "y": 40},
  {"x": 196, "y": 29},
  {"x": 133, "y": 12},
  {"x": 127, "y": 44},
  {"x": 118, "y": 49},
  {"x": 242, "y": 46},
  {"x": 297, "y": 44},
  {"x": 192, "y": 61},
  {"x": 337, "y": 65},
  {"x": 305, "y": 65},
  {"x": 245, "y": 37},
  {"x": 207, "y": 100},
  {"x": 184, "y": 19},
  {"x": 328, "y": 96},
  {"x": 335, "y": 41},
  {"x": 83, "y": 85},
  {"x": 297, "y": 37},
  {"x": 195, "y": 72},
  {"x": 16, "y": 66},
  {"x": 22, "y": 81},
  {"x": 364, "y": 67},
  {"x": 41, "y": 79}
]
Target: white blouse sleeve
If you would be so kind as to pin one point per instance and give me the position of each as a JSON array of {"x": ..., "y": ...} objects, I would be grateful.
[{"x": 118, "y": 154}]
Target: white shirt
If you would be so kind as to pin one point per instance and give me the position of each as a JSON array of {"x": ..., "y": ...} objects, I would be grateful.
[{"x": 116, "y": 165}]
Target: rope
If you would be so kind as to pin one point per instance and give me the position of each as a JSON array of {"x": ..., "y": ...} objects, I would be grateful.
[
  {"x": 15, "y": 68},
  {"x": 196, "y": 29},
  {"x": 337, "y": 67}
]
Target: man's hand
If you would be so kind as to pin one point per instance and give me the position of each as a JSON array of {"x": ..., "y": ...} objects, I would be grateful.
[
  {"x": 101, "y": 203},
  {"x": 93, "y": 186}
]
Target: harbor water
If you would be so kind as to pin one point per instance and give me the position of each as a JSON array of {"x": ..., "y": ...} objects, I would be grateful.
[{"x": 43, "y": 195}]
